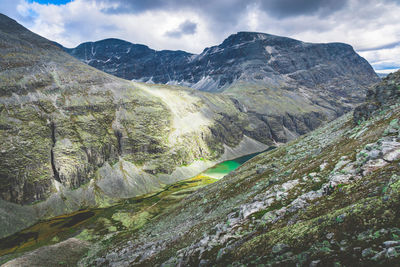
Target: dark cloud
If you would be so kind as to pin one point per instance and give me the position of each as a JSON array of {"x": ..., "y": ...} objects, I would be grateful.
[
  {"x": 185, "y": 28},
  {"x": 288, "y": 8},
  {"x": 135, "y": 6},
  {"x": 225, "y": 15},
  {"x": 222, "y": 11},
  {"x": 386, "y": 46},
  {"x": 229, "y": 9}
]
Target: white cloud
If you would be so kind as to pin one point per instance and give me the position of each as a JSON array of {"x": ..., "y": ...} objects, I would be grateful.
[
  {"x": 81, "y": 21},
  {"x": 384, "y": 60}
]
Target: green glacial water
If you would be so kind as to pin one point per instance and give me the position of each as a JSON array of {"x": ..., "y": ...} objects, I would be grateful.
[
  {"x": 128, "y": 215},
  {"x": 220, "y": 170}
]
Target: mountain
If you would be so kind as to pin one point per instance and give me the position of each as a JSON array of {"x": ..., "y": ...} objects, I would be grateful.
[
  {"x": 73, "y": 136},
  {"x": 286, "y": 87},
  {"x": 329, "y": 198},
  {"x": 131, "y": 61},
  {"x": 245, "y": 56}
]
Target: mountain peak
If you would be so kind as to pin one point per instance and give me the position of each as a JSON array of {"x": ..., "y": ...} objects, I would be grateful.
[
  {"x": 245, "y": 37},
  {"x": 13, "y": 29},
  {"x": 113, "y": 42}
]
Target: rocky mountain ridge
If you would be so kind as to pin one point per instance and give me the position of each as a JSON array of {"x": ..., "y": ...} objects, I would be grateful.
[
  {"x": 112, "y": 56},
  {"x": 244, "y": 56}
]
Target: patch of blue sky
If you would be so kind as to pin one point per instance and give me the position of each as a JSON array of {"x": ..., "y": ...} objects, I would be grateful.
[{"x": 53, "y": 2}]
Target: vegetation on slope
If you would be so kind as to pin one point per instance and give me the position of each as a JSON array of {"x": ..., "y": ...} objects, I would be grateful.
[{"x": 329, "y": 197}]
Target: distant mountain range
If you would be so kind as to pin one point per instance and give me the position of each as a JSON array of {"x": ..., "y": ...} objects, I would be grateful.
[
  {"x": 381, "y": 75},
  {"x": 246, "y": 56}
]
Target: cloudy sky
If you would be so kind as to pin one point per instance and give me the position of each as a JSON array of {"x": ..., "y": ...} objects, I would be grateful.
[{"x": 372, "y": 27}]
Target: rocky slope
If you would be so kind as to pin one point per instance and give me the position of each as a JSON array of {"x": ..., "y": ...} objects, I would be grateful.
[
  {"x": 330, "y": 197},
  {"x": 287, "y": 87},
  {"x": 72, "y": 136}
]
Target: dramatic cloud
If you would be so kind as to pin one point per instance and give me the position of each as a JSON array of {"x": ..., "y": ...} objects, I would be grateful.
[
  {"x": 370, "y": 26},
  {"x": 287, "y": 8},
  {"x": 186, "y": 27}
]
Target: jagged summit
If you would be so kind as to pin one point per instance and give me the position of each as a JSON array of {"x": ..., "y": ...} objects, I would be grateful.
[{"x": 244, "y": 37}]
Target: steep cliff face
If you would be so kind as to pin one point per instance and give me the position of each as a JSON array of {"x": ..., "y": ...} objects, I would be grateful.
[
  {"x": 73, "y": 136},
  {"x": 330, "y": 198}
]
